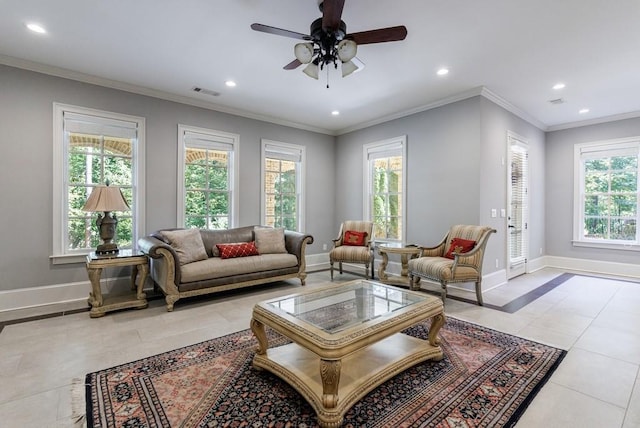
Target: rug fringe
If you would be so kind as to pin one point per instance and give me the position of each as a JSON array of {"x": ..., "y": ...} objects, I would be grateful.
[{"x": 78, "y": 406}]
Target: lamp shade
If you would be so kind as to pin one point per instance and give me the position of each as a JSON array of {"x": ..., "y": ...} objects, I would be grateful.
[
  {"x": 303, "y": 52},
  {"x": 347, "y": 49},
  {"x": 106, "y": 198},
  {"x": 311, "y": 70},
  {"x": 348, "y": 68}
]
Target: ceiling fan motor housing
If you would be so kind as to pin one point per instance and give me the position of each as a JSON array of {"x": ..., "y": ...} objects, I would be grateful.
[{"x": 318, "y": 34}]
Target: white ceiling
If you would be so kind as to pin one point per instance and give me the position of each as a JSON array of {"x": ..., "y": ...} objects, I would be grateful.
[{"x": 517, "y": 49}]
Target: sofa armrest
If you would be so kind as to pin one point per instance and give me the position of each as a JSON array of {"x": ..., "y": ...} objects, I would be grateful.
[
  {"x": 296, "y": 243},
  {"x": 157, "y": 249}
]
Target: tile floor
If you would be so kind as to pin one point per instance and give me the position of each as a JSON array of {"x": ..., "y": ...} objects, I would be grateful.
[{"x": 596, "y": 319}]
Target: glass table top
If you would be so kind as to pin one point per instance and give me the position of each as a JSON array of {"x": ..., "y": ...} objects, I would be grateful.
[{"x": 338, "y": 308}]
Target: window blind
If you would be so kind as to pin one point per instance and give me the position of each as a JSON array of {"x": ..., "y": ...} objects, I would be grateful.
[
  {"x": 204, "y": 141},
  {"x": 94, "y": 125}
]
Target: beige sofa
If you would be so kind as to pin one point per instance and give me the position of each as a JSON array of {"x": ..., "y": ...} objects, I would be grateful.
[{"x": 191, "y": 262}]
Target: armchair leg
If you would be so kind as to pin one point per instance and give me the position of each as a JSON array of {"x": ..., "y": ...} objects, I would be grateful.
[
  {"x": 413, "y": 284},
  {"x": 479, "y": 293},
  {"x": 331, "y": 269},
  {"x": 340, "y": 265},
  {"x": 443, "y": 293}
]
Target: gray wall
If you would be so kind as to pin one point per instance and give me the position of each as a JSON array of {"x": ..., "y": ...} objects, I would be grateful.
[
  {"x": 455, "y": 173},
  {"x": 559, "y": 189},
  {"x": 26, "y": 168},
  {"x": 496, "y": 121}
]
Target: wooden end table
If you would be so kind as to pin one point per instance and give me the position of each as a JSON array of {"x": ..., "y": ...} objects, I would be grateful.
[
  {"x": 101, "y": 304},
  {"x": 405, "y": 252}
]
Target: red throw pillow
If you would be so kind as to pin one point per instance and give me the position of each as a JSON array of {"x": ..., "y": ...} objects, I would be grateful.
[
  {"x": 459, "y": 245},
  {"x": 237, "y": 249},
  {"x": 351, "y": 237}
]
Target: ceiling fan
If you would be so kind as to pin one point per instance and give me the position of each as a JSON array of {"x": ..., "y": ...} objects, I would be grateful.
[{"x": 328, "y": 42}]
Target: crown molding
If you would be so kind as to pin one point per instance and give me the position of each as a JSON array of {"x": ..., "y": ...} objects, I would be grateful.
[
  {"x": 497, "y": 99},
  {"x": 439, "y": 103},
  {"x": 480, "y": 90},
  {"x": 612, "y": 118},
  {"x": 181, "y": 99},
  {"x": 141, "y": 90}
]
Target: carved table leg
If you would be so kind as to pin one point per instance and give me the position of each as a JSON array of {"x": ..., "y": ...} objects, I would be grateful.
[
  {"x": 436, "y": 324},
  {"x": 95, "y": 297},
  {"x": 142, "y": 272},
  {"x": 382, "y": 275},
  {"x": 330, "y": 374},
  {"x": 258, "y": 331}
]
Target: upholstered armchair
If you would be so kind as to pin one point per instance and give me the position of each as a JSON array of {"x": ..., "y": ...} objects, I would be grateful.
[
  {"x": 457, "y": 258},
  {"x": 353, "y": 245}
]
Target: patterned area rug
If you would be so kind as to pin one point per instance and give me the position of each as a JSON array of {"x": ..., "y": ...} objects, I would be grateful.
[{"x": 487, "y": 379}]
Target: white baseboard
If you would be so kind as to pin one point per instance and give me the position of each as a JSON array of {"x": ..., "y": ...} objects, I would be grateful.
[
  {"x": 40, "y": 296},
  {"x": 78, "y": 291},
  {"x": 598, "y": 267}
]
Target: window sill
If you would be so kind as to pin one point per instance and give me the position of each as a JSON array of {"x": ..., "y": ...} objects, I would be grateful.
[
  {"x": 66, "y": 259},
  {"x": 607, "y": 245}
]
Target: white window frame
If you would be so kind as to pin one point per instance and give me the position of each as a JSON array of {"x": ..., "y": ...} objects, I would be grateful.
[
  {"x": 379, "y": 149},
  {"x": 61, "y": 254},
  {"x": 213, "y": 140},
  {"x": 581, "y": 151},
  {"x": 289, "y": 152}
]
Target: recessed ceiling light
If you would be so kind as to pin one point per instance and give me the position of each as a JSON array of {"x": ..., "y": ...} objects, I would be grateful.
[
  {"x": 335, "y": 113},
  {"x": 443, "y": 72},
  {"x": 230, "y": 83},
  {"x": 36, "y": 28},
  {"x": 559, "y": 86},
  {"x": 583, "y": 111}
]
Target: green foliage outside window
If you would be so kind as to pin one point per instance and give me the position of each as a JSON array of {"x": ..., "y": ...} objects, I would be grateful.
[
  {"x": 281, "y": 194},
  {"x": 92, "y": 160},
  {"x": 611, "y": 198},
  {"x": 207, "y": 194},
  {"x": 387, "y": 198}
]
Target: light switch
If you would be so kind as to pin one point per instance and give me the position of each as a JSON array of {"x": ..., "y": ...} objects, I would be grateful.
[
  {"x": 494, "y": 213},
  {"x": 503, "y": 212}
]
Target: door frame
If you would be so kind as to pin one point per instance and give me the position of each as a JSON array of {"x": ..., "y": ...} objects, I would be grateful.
[{"x": 520, "y": 267}]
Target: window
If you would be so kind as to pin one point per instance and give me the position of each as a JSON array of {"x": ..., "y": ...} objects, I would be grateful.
[
  {"x": 385, "y": 181},
  {"x": 92, "y": 147},
  {"x": 283, "y": 185},
  {"x": 207, "y": 168},
  {"x": 606, "y": 194}
]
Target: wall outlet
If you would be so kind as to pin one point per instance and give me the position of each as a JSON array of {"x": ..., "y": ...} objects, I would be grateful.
[
  {"x": 497, "y": 263},
  {"x": 494, "y": 213},
  {"x": 324, "y": 247}
]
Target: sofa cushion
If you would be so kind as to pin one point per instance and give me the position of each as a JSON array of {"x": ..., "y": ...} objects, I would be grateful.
[
  {"x": 459, "y": 245},
  {"x": 355, "y": 238},
  {"x": 187, "y": 244},
  {"x": 237, "y": 249},
  {"x": 270, "y": 240},
  {"x": 216, "y": 267}
]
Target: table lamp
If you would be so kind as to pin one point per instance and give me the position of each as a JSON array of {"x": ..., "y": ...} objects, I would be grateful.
[{"x": 106, "y": 199}]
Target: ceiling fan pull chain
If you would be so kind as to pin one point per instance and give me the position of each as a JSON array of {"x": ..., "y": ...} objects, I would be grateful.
[{"x": 327, "y": 77}]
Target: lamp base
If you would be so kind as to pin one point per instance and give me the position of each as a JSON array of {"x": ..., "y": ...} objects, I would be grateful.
[{"x": 109, "y": 248}]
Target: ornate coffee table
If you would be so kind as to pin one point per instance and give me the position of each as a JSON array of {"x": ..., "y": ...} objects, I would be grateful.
[{"x": 346, "y": 341}]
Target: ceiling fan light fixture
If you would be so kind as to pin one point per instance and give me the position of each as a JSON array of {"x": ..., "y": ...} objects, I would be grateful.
[
  {"x": 348, "y": 68},
  {"x": 347, "y": 49},
  {"x": 311, "y": 70},
  {"x": 303, "y": 52}
]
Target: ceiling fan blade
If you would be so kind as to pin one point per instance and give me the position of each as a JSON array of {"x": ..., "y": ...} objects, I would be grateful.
[
  {"x": 279, "y": 31},
  {"x": 331, "y": 14},
  {"x": 292, "y": 65},
  {"x": 390, "y": 34}
]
